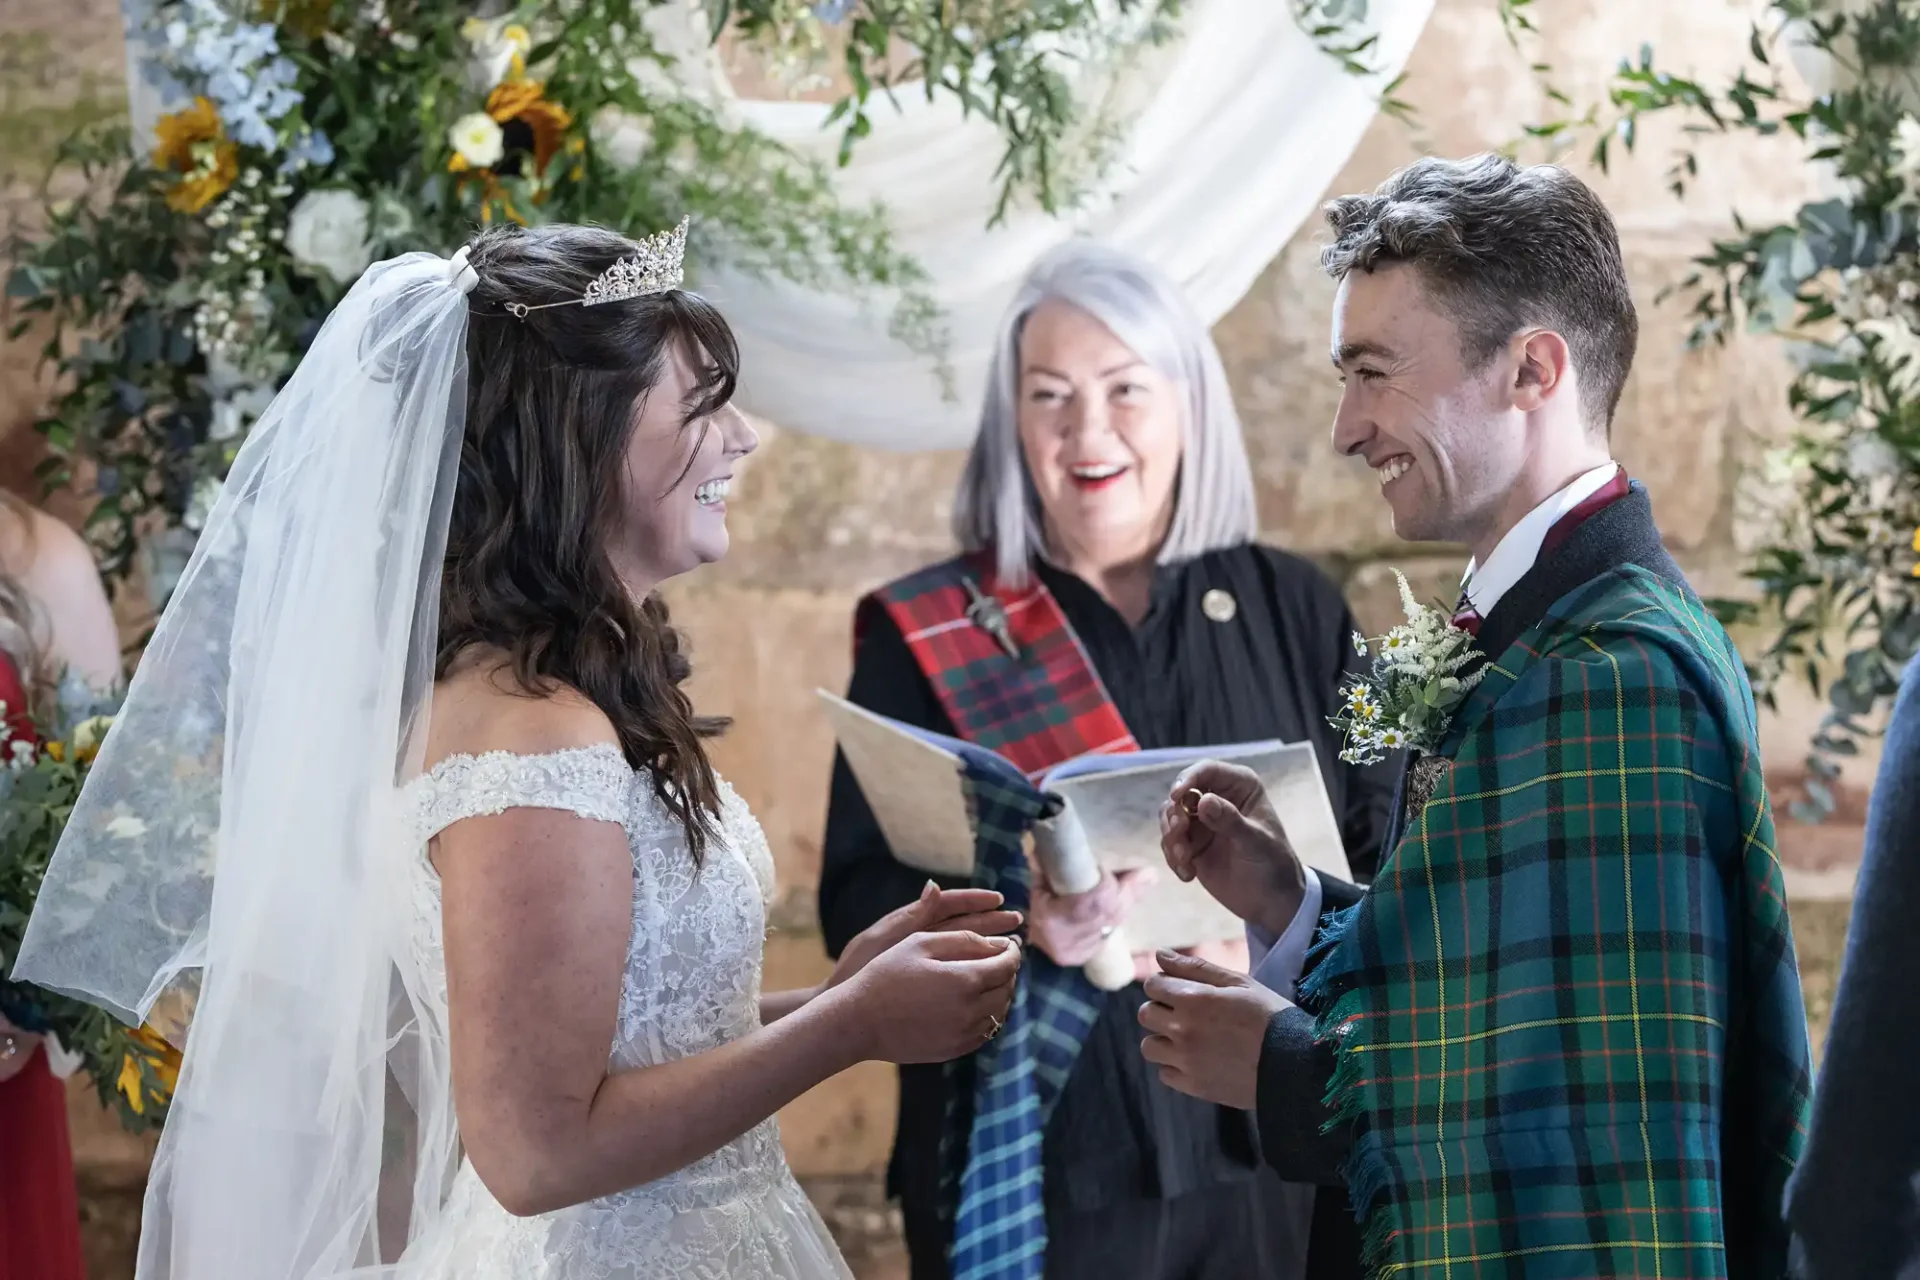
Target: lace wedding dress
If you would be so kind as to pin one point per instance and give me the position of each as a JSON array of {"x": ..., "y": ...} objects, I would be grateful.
[{"x": 692, "y": 984}]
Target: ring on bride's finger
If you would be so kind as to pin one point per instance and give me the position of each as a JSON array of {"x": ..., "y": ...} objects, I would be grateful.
[
  {"x": 1106, "y": 931},
  {"x": 12, "y": 1047},
  {"x": 997, "y": 1024}
]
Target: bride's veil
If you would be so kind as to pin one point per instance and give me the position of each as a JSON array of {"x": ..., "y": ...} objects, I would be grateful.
[{"x": 241, "y": 832}]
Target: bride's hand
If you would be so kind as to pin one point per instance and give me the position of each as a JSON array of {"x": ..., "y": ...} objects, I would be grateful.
[
  {"x": 933, "y": 996},
  {"x": 936, "y": 910}
]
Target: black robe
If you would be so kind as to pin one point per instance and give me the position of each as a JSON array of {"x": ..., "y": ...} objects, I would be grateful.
[{"x": 1120, "y": 1145}]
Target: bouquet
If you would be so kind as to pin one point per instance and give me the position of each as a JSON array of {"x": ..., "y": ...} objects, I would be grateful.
[
  {"x": 45, "y": 764},
  {"x": 1422, "y": 670}
]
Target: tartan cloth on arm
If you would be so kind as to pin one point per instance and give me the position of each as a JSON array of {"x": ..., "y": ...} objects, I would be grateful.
[
  {"x": 1039, "y": 710},
  {"x": 1567, "y": 1021},
  {"x": 997, "y": 1114}
]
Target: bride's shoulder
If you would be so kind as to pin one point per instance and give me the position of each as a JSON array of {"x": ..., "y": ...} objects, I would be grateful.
[
  {"x": 482, "y": 709},
  {"x": 493, "y": 745}
]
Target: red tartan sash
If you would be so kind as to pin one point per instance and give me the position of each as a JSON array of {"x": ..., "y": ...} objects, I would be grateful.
[{"x": 1045, "y": 707}]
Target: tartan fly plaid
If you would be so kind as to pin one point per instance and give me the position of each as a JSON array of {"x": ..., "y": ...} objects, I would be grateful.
[
  {"x": 1567, "y": 1021},
  {"x": 1033, "y": 711},
  {"x": 994, "y": 1177}
]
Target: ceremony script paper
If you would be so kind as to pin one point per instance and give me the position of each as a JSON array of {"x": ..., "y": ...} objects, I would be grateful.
[{"x": 1109, "y": 814}]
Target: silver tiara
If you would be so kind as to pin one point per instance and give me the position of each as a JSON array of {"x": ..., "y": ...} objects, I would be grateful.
[{"x": 657, "y": 266}]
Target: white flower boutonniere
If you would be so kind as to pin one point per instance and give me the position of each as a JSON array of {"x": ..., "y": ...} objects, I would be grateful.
[{"x": 1416, "y": 683}]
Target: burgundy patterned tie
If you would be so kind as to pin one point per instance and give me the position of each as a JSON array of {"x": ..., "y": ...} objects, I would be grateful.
[{"x": 1465, "y": 616}]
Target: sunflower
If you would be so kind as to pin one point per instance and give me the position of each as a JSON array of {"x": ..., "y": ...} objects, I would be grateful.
[
  {"x": 530, "y": 123},
  {"x": 529, "y": 126},
  {"x": 193, "y": 145},
  {"x": 87, "y": 737},
  {"x": 161, "y": 1058}
]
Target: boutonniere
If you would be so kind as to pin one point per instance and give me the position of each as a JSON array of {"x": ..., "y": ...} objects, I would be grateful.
[{"x": 1422, "y": 671}]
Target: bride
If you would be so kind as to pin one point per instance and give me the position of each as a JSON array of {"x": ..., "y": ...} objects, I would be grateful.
[{"x": 407, "y": 785}]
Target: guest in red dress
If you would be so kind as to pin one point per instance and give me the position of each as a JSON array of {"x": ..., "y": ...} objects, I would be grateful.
[{"x": 54, "y": 616}]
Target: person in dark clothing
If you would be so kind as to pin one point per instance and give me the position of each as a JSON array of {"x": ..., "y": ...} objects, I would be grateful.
[
  {"x": 1110, "y": 481},
  {"x": 1854, "y": 1202}
]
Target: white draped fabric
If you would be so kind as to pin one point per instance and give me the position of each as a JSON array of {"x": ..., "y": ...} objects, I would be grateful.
[
  {"x": 1236, "y": 131},
  {"x": 1244, "y": 124}
]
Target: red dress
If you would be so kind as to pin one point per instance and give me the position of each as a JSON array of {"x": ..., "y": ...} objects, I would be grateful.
[{"x": 39, "y": 1210}]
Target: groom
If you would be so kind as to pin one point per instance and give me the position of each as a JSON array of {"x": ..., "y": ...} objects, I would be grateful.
[{"x": 1560, "y": 1035}]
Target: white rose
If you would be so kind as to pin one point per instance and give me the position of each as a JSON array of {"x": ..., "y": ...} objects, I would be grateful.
[
  {"x": 478, "y": 139},
  {"x": 327, "y": 232},
  {"x": 655, "y": 80},
  {"x": 495, "y": 44},
  {"x": 623, "y": 138},
  {"x": 234, "y": 413},
  {"x": 206, "y": 495}
]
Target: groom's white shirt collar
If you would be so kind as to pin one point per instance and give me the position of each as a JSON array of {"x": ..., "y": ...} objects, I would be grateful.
[{"x": 1514, "y": 554}]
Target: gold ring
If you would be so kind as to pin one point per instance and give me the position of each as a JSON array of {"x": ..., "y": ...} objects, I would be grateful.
[{"x": 997, "y": 1024}]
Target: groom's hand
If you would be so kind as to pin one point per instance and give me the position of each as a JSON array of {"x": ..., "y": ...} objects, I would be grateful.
[
  {"x": 1207, "y": 1027},
  {"x": 1232, "y": 843}
]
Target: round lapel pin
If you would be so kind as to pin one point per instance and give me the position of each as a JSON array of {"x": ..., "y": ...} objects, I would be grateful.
[{"x": 1219, "y": 606}]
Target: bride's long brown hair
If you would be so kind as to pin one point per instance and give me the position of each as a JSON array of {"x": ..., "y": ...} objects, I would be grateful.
[{"x": 552, "y": 399}]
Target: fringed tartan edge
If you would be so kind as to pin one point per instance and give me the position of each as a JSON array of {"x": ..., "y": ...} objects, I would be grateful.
[{"x": 1366, "y": 1171}]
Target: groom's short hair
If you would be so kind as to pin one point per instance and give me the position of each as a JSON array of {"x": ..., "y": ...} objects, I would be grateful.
[{"x": 1503, "y": 248}]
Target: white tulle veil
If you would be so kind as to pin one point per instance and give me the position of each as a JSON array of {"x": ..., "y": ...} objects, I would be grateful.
[{"x": 241, "y": 832}]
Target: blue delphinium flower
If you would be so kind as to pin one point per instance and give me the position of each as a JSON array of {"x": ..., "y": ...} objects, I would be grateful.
[
  {"x": 310, "y": 148},
  {"x": 238, "y": 65}
]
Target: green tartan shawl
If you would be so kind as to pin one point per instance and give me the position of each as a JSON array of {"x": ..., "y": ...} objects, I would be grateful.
[{"x": 1567, "y": 1022}]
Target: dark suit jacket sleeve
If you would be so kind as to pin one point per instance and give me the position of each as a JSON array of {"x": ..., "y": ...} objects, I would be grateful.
[
  {"x": 1852, "y": 1201},
  {"x": 1294, "y": 1072},
  {"x": 860, "y": 880}
]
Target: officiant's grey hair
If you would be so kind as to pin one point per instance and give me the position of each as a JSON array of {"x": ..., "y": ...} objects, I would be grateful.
[{"x": 997, "y": 507}]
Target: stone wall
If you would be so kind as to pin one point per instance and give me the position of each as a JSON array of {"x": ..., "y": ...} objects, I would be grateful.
[{"x": 815, "y": 523}]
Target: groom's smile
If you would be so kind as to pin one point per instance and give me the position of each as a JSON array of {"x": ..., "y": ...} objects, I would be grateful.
[{"x": 1392, "y": 469}]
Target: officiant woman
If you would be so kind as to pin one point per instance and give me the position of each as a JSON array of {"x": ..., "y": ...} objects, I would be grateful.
[{"x": 1110, "y": 575}]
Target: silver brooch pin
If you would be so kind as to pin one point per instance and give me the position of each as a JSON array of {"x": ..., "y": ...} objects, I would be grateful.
[
  {"x": 990, "y": 616},
  {"x": 1219, "y": 605}
]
